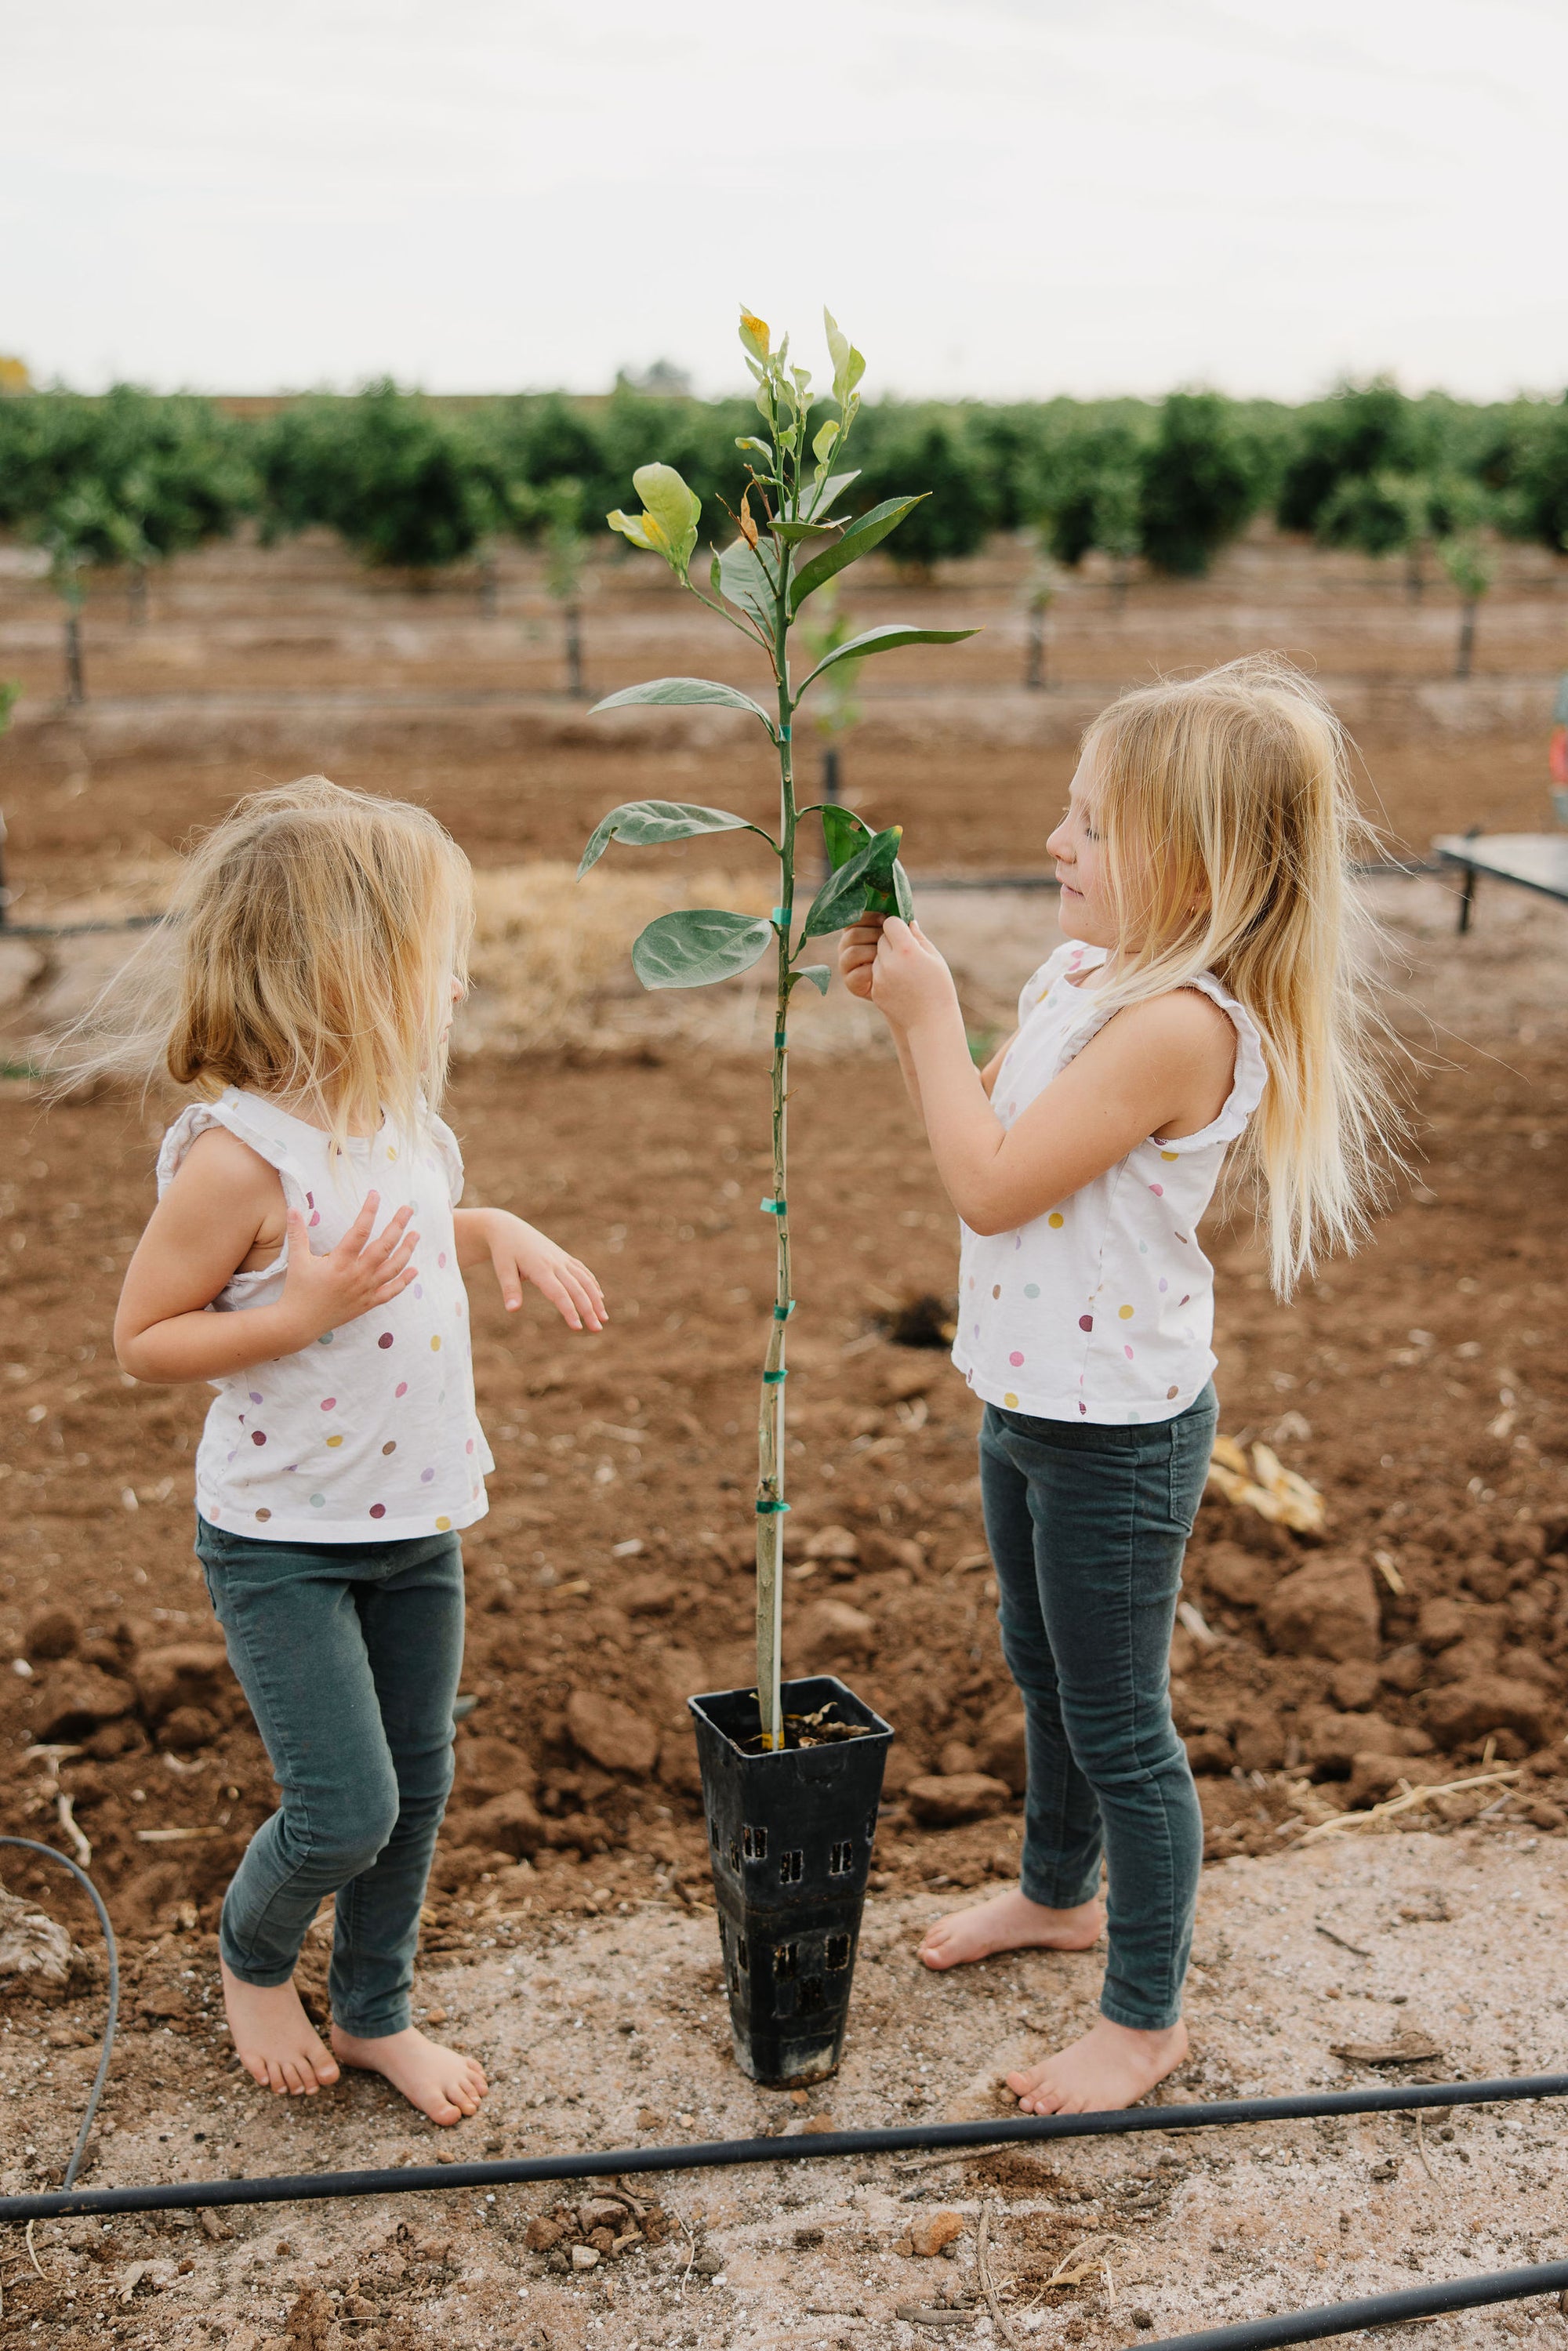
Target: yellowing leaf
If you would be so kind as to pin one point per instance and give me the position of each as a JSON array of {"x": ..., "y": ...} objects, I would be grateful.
[
  {"x": 668, "y": 526},
  {"x": 754, "y": 333}
]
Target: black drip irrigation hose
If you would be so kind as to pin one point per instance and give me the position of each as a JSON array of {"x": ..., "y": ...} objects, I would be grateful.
[{"x": 708, "y": 2154}]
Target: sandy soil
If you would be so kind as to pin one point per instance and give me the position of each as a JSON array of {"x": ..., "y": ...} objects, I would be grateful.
[{"x": 1419, "y": 1385}]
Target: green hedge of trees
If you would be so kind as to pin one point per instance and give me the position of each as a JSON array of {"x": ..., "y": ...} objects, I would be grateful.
[{"x": 127, "y": 480}]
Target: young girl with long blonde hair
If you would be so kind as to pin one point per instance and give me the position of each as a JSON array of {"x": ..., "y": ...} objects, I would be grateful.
[
  {"x": 305, "y": 1258},
  {"x": 1206, "y": 995}
]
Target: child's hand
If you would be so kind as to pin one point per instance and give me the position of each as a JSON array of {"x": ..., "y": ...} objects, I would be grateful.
[
  {"x": 320, "y": 1292},
  {"x": 857, "y": 953},
  {"x": 519, "y": 1253},
  {"x": 909, "y": 980}
]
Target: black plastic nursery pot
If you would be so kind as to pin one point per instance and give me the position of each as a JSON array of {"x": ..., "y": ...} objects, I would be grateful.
[{"x": 789, "y": 1839}]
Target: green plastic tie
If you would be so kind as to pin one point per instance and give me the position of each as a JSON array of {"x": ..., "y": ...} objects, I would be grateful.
[
  {"x": 780, "y": 1036},
  {"x": 771, "y": 1379},
  {"x": 770, "y": 1509},
  {"x": 782, "y": 1313},
  {"x": 784, "y": 733},
  {"x": 775, "y": 1207},
  {"x": 782, "y": 914}
]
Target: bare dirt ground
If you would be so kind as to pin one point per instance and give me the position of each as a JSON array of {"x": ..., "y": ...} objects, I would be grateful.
[
  {"x": 1418, "y": 1385},
  {"x": 253, "y": 667}
]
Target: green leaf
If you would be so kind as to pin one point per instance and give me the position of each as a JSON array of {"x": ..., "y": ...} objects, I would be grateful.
[
  {"x": 818, "y": 497},
  {"x": 858, "y": 540},
  {"x": 842, "y": 897},
  {"x": 698, "y": 946},
  {"x": 885, "y": 640},
  {"x": 899, "y": 899},
  {"x": 640, "y": 822},
  {"x": 847, "y": 364},
  {"x": 793, "y": 533},
  {"x": 843, "y": 834},
  {"x": 748, "y": 578},
  {"x": 819, "y": 974},
  {"x": 684, "y": 689}
]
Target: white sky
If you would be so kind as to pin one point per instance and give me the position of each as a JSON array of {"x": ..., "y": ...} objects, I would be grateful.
[{"x": 996, "y": 197}]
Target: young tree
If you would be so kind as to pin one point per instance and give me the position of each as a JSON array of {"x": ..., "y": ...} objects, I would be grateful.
[
  {"x": 1471, "y": 567},
  {"x": 384, "y": 470},
  {"x": 1089, "y": 495},
  {"x": 955, "y": 516},
  {"x": 1361, "y": 430},
  {"x": 565, "y": 565},
  {"x": 1041, "y": 585},
  {"x": 792, "y": 539},
  {"x": 82, "y": 529},
  {"x": 1202, "y": 480}
]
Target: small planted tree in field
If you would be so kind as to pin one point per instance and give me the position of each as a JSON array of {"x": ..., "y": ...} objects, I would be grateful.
[{"x": 790, "y": 1773}]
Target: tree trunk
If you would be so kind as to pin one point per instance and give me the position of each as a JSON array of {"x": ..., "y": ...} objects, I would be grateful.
[
  {"x": 1121, "y": 572},
  {"x": 136, "y": 596},
  {"x": 1415, "y": 576},
  {"x": 1466, "y": 637},
  {"x": 1034, "y": 665},
  {"x": 76, "y": 689},
  {"x": 489, "y": 587},
  {"x": 574, "y": 685}
]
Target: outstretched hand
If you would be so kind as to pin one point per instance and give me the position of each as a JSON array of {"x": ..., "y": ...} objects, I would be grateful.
[
  {"x": 857, "y": 954},
  {"x": 521, "y": 1253}
]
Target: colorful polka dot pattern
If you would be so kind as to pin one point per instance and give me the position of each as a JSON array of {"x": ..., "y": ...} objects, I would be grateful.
[
  {"x": 1080, "y": 1313},
  {"x": 330, "y": 1462}
]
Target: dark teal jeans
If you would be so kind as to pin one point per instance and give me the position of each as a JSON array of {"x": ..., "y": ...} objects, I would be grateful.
[
  {"x": 1087, "y": 1525},
  {"x": 348, "y": 1653}
]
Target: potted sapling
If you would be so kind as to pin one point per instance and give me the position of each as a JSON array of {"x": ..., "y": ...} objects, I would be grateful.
[{"x": 791, "y": 1770}]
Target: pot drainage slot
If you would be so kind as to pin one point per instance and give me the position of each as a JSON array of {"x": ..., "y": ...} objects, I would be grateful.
[
  {"x": 791, "y": 1868},
  {"x": 841, "y": 1859},
  {"x": 838, "y": 1951},
  {"x": 786, "y": 1961},
  {"x": 733, "y": 1854},
  {"x": 754, "y": 1843}
]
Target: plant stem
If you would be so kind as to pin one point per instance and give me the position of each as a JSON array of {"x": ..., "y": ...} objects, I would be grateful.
[{"x": 771, "y": 1419}]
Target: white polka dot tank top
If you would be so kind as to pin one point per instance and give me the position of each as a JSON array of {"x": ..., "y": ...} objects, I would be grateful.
[
  {"x": 1103, "y": 1308},
  {"x": 369, "y": 1435}
]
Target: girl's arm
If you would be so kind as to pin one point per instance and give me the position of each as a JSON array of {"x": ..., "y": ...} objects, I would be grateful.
[
  {"x": 1162, "y": 1067},
  {"x": 224, "y": 1201},
  {"x": 521, "y": 1253}
]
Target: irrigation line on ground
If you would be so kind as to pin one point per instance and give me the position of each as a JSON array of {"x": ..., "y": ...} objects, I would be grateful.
[
  {"x": 1249, "y": 2335},
  {"x": 709, "y": 2155}
]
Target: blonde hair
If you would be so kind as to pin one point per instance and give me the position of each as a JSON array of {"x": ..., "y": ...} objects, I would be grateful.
[
  {"x": 1229, "y": 824},
  {"x": 308, "y": 953}
]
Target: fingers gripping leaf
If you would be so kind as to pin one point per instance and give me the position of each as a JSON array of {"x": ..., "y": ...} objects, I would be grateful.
[
  {"x": 698, "y": 946},
  {"x": 848, "y": 892},
  {"x": 640, "y": 823}
]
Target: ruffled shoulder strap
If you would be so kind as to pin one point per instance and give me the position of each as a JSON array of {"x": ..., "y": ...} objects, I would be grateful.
[
  {"x": 244, "y": 1117},
  {"x": 1251, "y": 1071},
  {"x": 445, "y": 1145}
]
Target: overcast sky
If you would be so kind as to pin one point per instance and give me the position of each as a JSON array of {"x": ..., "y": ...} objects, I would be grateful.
[{"x": 996, "y": 197}]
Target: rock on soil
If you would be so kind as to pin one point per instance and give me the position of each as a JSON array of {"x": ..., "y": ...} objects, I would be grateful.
[
  {"x": 1326, "y": 1609},
  {"x": 942, "y": 1801},
  {"x": 611, "y": 1734}
]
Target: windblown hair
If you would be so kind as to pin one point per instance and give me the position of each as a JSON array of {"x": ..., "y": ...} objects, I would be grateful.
[
  {"x": 309, "y": 954},
  {"x": 1229, "y": 824}
]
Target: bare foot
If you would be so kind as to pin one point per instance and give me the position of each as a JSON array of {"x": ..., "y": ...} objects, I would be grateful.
[
  {"x": 442, "y": 2082},
  {"x": 274, "y": 2039},
  {"x": 1112, "y": 2065},
  {"x": 1009, "y": 1922}
]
